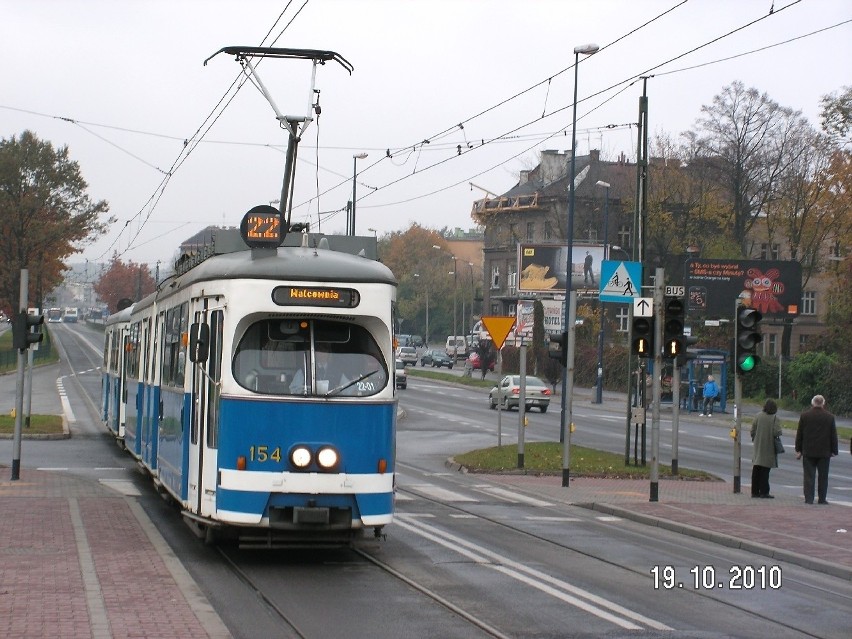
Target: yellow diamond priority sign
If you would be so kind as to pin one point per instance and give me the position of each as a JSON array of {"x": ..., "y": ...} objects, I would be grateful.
[{"x": 498, "y": 328}]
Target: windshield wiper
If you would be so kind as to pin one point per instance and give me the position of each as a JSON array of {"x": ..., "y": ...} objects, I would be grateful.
[{"x": 343, "y": 387}]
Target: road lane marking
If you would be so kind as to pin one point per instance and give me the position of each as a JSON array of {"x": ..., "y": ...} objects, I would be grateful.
[{"x": 562, "y": 590}]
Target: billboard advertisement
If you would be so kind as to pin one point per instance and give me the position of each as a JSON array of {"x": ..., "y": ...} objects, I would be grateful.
[
  {"x": 553, "y": 317},
  {"x": 542, "y": 267},
  {"x": 715, "y": 287}
]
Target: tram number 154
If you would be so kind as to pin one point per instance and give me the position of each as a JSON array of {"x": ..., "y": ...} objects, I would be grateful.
[{"x": 262, "y": 454}]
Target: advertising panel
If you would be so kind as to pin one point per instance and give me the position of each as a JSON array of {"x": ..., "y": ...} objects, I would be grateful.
[
  {"x": 772, "y": 287},
  {"x": 554, "y": 312},
  {"x": 542, "y": 267}
]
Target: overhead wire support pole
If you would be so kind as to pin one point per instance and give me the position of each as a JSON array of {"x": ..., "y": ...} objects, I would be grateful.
[{"x": 638, "y": 246}]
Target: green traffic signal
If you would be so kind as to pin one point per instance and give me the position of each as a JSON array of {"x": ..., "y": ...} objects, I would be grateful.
[
  {"x": 747, "y": 338},
  {"x": 747, "y": 362}
]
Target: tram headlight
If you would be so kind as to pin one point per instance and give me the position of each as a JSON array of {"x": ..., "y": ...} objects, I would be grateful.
[
  {"x": 300, "y": 457},
  {"x": 327, "y": 458}
]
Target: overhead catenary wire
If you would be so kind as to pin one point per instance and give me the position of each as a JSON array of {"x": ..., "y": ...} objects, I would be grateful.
[{"x": 200, "y": 135}]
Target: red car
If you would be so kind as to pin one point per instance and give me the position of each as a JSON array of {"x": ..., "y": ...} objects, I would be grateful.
[{"x": 475, "y": 363}]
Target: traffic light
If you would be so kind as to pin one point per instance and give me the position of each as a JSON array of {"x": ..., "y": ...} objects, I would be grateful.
[
  {"x": 22, "y": 337},
  {"x": 643, "y": 336},
  {"x": 684, "y": 357},
  {"x": 674, "y": 341},
  {"x": 747, "y": 339},
  {"x": 557, "y": 348}
]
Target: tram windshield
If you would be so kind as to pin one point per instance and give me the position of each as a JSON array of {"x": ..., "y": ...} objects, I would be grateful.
[{"x": 307, "y": 357}]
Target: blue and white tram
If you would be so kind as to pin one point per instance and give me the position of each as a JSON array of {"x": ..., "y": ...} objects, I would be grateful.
[
  {"x": 113, "y": 381},
  {"x": 266, "y": 393}
]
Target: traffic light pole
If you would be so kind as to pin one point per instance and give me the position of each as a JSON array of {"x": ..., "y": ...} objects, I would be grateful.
[
  {"x": 738, "y": 395},
  {"x": 675, "y": 412},
  {"x": 659, "y": 278},
  {"x": 19, "y": 386}
]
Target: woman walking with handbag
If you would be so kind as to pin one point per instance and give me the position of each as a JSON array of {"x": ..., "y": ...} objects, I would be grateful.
[{"x": 764, "y": 457}]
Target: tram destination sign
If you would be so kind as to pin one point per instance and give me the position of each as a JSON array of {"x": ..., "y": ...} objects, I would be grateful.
[{"x": 714, "y": 287}]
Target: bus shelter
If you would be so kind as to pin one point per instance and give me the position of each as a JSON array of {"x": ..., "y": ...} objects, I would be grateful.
[{"x": 707, "y": 362}]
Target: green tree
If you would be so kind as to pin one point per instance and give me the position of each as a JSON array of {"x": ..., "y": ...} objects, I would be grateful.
[
  {"x": 808, "y": 374},
  {"x": 45, "y": 214}
]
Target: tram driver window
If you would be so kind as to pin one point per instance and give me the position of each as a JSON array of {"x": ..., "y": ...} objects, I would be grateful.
[{"x": 309, "y": 357}]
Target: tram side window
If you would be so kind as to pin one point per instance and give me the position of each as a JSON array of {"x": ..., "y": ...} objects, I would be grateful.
[
  {"x": 174, "y": 349},
  {"x": 133, "y": 351},
  {"x": 309, "y": 357}
]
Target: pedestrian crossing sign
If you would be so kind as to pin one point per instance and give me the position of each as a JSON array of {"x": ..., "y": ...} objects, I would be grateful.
[{"x": 620, "y": 281}]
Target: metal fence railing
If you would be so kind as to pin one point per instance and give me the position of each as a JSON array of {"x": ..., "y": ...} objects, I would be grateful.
[{"x": 9, "y": 355}]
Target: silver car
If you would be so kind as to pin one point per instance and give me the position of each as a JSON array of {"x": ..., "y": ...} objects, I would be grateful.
[
  {"x": 407, "y": 354},
  {"x": 537, "y": 393}
]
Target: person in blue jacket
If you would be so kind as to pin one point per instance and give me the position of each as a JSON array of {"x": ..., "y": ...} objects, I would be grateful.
[{"x": 710, "y": 394}]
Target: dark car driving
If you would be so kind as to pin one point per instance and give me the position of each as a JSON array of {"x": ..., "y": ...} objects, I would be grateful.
[{"x": 436, "y": 359}]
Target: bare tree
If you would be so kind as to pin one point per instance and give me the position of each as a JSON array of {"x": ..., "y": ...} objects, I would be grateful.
[{"x": 745, "y": 138}]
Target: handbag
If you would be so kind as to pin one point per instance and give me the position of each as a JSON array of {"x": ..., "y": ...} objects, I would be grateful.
[{"x": 779, "y": 447}]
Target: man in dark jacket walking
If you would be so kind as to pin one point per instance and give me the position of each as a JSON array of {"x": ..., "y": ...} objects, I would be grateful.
[{"x": 816, "y": 444}]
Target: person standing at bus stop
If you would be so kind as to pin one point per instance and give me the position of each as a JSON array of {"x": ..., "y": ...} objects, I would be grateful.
[
  {"x": 710, "y": 393},
  {"x": 816, "y": 444}
]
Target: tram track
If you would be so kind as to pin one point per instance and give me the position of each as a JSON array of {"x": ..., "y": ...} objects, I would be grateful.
[
  {"x": 704, "y": 558},
  {"x": 82, "y": 347}
]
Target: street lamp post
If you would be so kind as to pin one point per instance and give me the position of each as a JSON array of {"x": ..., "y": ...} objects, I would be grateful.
[
  {"x": 568, "y": 386},
  {"x": 455, "y": 305},
  {"x": 426, "y": 336},
  {"x": 472, "y": 294},
  {"x": 454, "y": 273},
  {"x": 355, "y": 158},
  {"x": 599, "y": 387}
]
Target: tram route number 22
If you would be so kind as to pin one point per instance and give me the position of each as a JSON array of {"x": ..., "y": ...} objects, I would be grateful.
[{"x": 263, "y": 453}]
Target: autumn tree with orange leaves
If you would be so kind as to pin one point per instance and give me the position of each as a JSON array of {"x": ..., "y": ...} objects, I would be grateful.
[{"x": 124, "y": 281}]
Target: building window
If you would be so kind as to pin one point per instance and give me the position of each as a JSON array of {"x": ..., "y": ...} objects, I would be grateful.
[
  {"x": 803, "y": 342},
  {"x": 495, "y": 277},
  {"x": 624, "y": 237},
  {"x": 809, "y": 303},
  {"x": 513, "y": 233},
  {"x": 769, "y": 251},
  {"x": 772, "y": 345},
  {"x": 834, "y": 250},
  {"x": 548, "y": 231},
  {"x": 512, "y": 280},
  {"x": 513, "y": 309},
  {"x": 530, "y": 231},
  {"x": 622, "y": 316}
]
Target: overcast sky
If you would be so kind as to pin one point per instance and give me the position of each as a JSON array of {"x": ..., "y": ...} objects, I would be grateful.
[{"x": 130, "y": 78}]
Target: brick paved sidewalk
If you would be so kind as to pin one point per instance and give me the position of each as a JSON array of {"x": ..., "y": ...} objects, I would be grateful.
[{"x": 79, "y": 560}]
